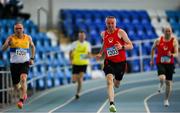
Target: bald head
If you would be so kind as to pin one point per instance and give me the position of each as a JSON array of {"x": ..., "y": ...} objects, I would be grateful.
[
  {"x": 110, "y": 23},
  {"x": 18, "y": 29},
  {"x": 167, "y": 32}
]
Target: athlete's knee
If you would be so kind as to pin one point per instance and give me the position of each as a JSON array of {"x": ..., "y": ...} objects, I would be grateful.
[
  {"x": 23, "y": 77},
  {"x": 109, "y": 78},
  {"x": 162, "y": 77},
  {"x": 74, "y": 78},
  {"x": 116, "y": 83},
  {"x": 168, "y": 83},
  {"x": 16, "y": 87}
]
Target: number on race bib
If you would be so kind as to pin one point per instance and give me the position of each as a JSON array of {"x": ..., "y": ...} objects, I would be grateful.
[
  {"x": 112, "y": 51},
  {"x": 21, "y": 52},
  {"x": 165, "y": 59}
]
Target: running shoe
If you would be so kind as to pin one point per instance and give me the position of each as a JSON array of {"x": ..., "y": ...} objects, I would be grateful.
[
  {"x": 161, "y": 88},
  {"x": 25, "y": 97},
  {"x": 112, "y": 108},
  {"x": 166, "y": 103},
  {"x": 20, "y": 104},
  {"x": 77, "y": 96}
]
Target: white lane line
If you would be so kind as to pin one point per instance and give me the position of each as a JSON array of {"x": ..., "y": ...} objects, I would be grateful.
[
  {"x": 55, "y": 89},
  {"x": 87, "y": 91},
  {"x": 70, "y": 85},
  {"x": 41, "y": 95},
  {"x": 146, "y": 99},
  {"x": 71, "y": 99},
  {"x": 150, "y": 96},
  {"x": 122, "y": 92},
  {"x": 129, "y": 90},
  {"x": 45, "y": 92}
]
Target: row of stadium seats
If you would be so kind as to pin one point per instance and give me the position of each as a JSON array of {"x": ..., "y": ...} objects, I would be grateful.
[
  {"x": 159, "y": 19},
  {"x": 55, "y": 76},
  {"x": 174, "y": 20},
  {"x": 139, "y": 25},
  {"x": 136, "y": 23},
  {"x": 43, "y": 46}
]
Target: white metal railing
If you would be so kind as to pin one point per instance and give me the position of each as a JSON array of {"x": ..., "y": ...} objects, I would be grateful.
[
  {"x": 6, "y": 88},
  {"x": 141, "y": 57},
  {"x": 7, "y": 83}
]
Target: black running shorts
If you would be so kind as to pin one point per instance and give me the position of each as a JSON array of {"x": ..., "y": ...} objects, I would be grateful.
[
  {"x": 117, "y": 69},
  {"x": 166, "y": 69},
  {"x": 76, "y": 69},
  {"x": 17, "y": 69}
]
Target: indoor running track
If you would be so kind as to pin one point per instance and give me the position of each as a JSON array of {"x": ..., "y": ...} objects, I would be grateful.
[{"x": 138, "y": 93}]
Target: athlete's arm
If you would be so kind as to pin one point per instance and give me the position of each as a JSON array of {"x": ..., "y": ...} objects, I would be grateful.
[
  {"x": 99, "y": 55},
  {"x": 6, "y": 44},
  {"x": 102, "y": 47},
  {"x": 73, "y": 45},
  {"x": 176, "y": 46},
  {"x": 90, "y": 55},
  {"x": 153, "y": 50},
  {"x": 128, "y": 44},
  {"x": 33, "y": 49}
]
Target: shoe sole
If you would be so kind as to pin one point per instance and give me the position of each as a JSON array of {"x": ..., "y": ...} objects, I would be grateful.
[
  {"x": 20, "y": 107},
  {"x": 112, "y": 110}
]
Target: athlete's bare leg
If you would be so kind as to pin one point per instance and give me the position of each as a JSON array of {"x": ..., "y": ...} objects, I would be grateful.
[
  {"x": 23, "y": 82},
  {"x": 116, "y": 83},
  {"x": 110, "y": 87},
  {"x": 16, "y": 91},
  {"x": 79, "y": 83},
  {"x": 74, "y": 78},
  {"x": 162, "y": 79},
  {"x": 168, "y": 89},
  {"x": 167, "y": 92}
]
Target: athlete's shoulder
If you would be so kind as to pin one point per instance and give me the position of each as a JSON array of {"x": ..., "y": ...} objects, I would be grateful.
[
  {"x": 102, "y": 34},
  {"x": 87, "y": 42},
  {"x": 11, "y": 36},
  {"x": 121, "y": 31},
  {"x": 26, "y": 35}
]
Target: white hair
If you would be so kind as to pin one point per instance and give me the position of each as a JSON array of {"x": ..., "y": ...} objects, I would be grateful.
[{"x": 112, "y": 17}]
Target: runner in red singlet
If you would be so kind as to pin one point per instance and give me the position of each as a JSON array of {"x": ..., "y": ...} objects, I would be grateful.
[
  {"x": 115, "y": 42},
  {"x": 167, "y": 49}
]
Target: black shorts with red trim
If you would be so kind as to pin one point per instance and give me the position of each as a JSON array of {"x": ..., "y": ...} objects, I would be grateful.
[
  {"x": 17, "y": 69},
  {"x": 76, "y": 69},
  {"x": 166, "y": 69},
  {"x": 117, "y": 69}
]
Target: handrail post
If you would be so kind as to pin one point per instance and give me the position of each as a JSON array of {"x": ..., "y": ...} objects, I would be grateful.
[{"x": 39, "y": 16}]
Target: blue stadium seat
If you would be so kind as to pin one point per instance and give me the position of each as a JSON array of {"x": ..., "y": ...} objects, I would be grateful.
[
  {"x": 87, "y": 76},
  {"x": 67, "y": 74},
  {"x": 59, "y": 75},
  {"x": 146, "y": 48},
  {"x": 146, "y": 65},
  {"x": 135, "y": 65}
]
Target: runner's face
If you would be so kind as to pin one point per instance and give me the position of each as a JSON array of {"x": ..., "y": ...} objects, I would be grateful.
[
  {"x": 18, "y": 29},
  {"x": 110, "y": 24},
  {"x": 82, "y": 37},
  {"x": 167, "y": 33}
]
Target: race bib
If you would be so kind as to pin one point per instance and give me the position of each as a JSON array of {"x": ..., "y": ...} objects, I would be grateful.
[
  {"x": 112, "y": 51},
  {"x": 165, "y": 59},
  {"x": 83, "y": 56},
  {"x": 21, "y": 52}
]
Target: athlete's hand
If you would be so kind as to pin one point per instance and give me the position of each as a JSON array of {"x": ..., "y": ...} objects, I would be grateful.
[
  {"x": 118, "y": 46},
  {"x": 169, "y": 53},
  {"x": 98, "y": 56},
  {"x": 152, "y": 63},
  {"x": 10, "y": 42},
  {"x": 31, "y": 62}
]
